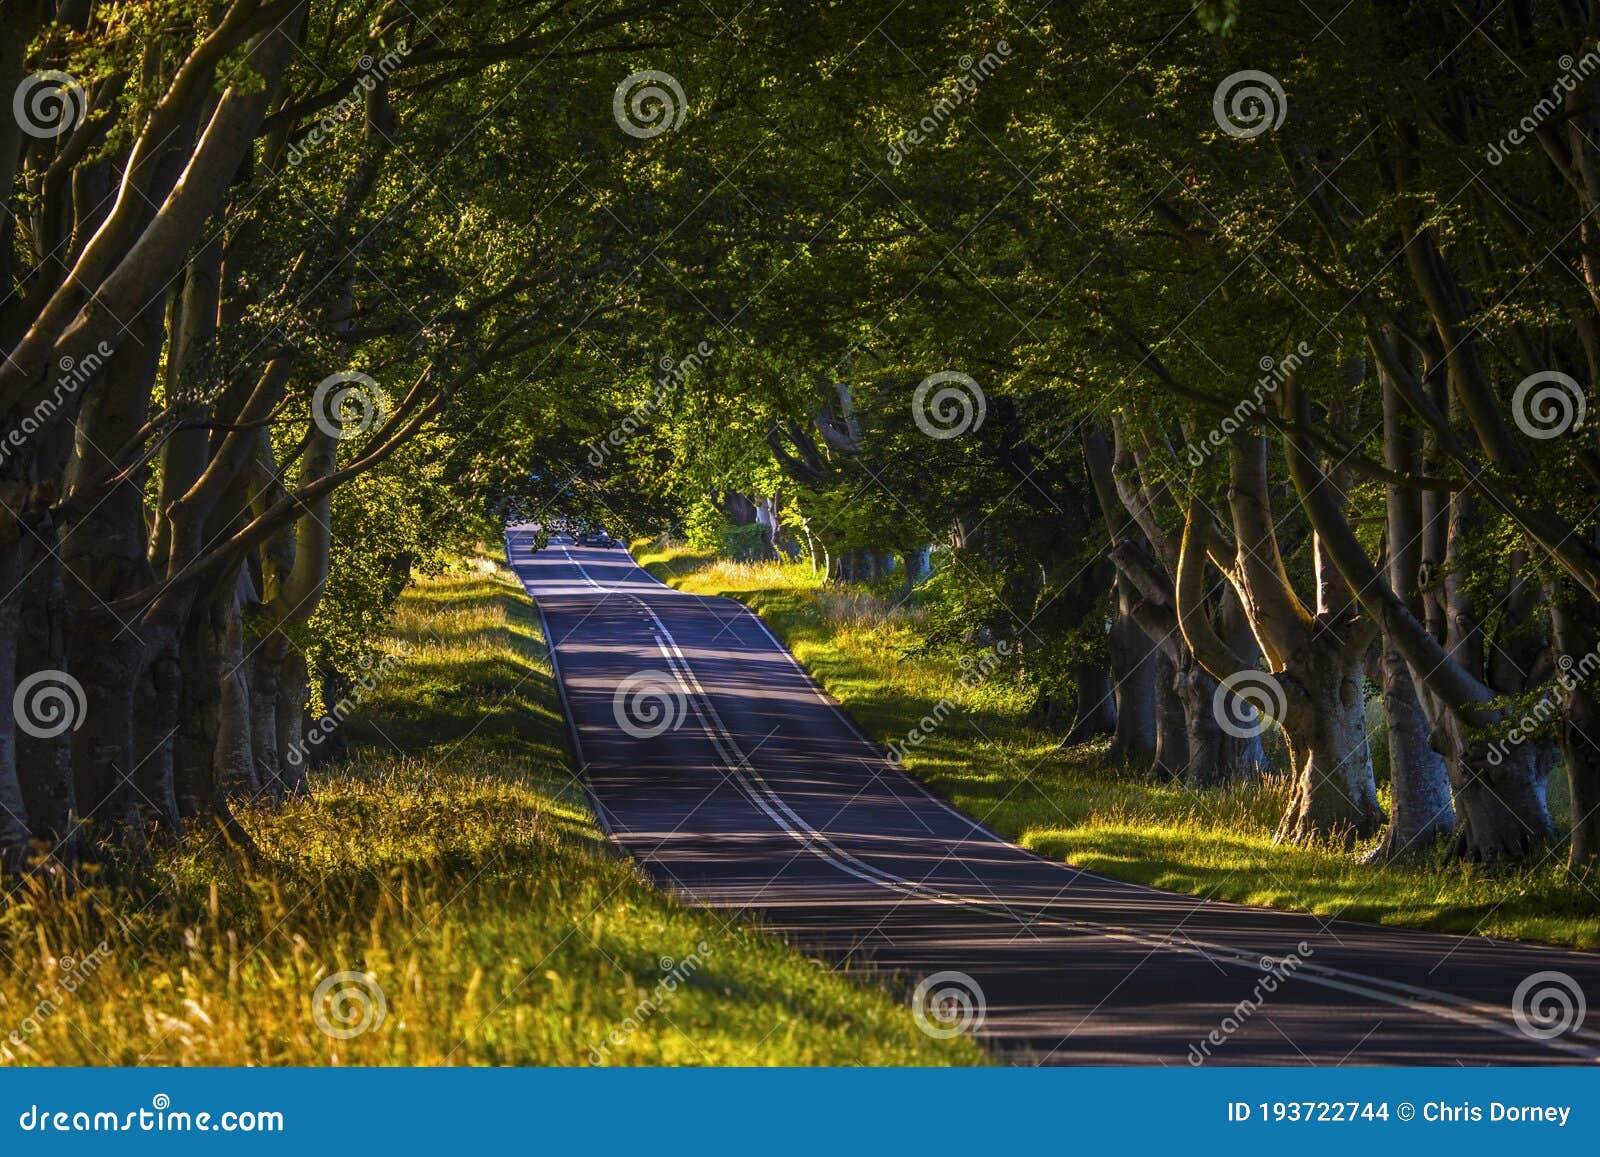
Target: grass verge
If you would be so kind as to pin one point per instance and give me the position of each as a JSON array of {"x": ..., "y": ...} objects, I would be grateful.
[
  {"x": 450, "y": 864},
  {"x": 1070, "y": 805}
]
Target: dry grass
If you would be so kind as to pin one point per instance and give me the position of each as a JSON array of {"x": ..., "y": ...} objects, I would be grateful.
[
  {"x": 451, "y": 865},
  {"x": 1070, "y": 805}
]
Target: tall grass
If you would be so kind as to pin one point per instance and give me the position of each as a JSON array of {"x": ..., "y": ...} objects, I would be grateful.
[
  {"x": 452, "y": 871},
  {"x": 1071, "y": 804}
]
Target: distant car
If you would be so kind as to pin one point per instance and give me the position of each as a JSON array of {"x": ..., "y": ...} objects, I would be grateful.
[{"x": 595, "y": 537}]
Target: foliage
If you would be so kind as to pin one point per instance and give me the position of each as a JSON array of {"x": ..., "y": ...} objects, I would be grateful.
[
  {"x": 466, "y": 878},
  {"x": 988, "y": 759}
]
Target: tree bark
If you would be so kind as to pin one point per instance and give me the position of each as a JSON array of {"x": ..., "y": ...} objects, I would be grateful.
[
  {"x": 14, "y": 832},
  {"x": 1094, "y": 707},
  {"x": 1133, "y": 672},
  {"x": 1172, "y": 735},
  {"x": 1420, "y": 808},
  {"x": 1316, "y": 659},
  {"x": 1500, "y": 797}
]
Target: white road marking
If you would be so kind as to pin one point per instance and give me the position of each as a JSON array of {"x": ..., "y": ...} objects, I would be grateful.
[{"x": 1444, "y": 1005}]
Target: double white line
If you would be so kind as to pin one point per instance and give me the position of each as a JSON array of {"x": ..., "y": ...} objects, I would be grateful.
[{"x": 1579, "y": 1042}]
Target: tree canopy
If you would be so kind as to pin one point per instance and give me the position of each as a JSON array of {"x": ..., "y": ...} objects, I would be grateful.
[{"x": 1231, "y": 361}]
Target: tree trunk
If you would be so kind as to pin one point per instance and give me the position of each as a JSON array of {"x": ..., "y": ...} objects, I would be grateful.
[
  {"x": 1334, "y": 795},
  {"x": 202, "y": 653},
  {"x": 265, "y": 668},
  {"x": 1216, "y": 757},
  {"x": 234, "y": 757},
  {"x": 1133, "y": 672},
  {"x": 1172, "y": 735},
  {"x": 1501, "y": 808},
  {"x": 44, "y": 762},
  {"x": 1316, "y": 654},
  {"x": 1499, "y": 793},
  {"x": 156, "y": 706},
  {"x": 1419, "y": 784},
  {"x": 292, "y": 695},
  {"x": 1576, "y": 619},
  {"x": 1580, "y": 749},
  {"x": 1095, "y": 711},
  {"x": 108, "y": 667},
  {"x": 13, "y": 812},
  {"x": 915, "y": 563},
  {"x": 735, "y": 507}
]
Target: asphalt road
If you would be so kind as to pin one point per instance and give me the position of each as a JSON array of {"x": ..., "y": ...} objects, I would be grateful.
[{"x": 722, "y": 768}]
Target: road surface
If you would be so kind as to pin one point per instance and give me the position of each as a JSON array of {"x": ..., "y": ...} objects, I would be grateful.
[{"x": 731, "y": 778}]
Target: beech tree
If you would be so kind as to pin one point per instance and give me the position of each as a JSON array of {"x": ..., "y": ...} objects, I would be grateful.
[
  {"x": 1240, "y": 382},
  {"x": 239, "y": 284},
  {"x": 1117, "y": 240}
]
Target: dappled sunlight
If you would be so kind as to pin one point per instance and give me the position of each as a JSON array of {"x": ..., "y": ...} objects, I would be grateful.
[
  {"x": 1068, "y": 804},
  {"x": 463, "y": 874}
]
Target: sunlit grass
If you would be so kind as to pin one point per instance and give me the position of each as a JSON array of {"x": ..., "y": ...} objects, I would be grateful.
[
  {"x": 1071, "y": 805},
  {"x": 452, "y": 862}
]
